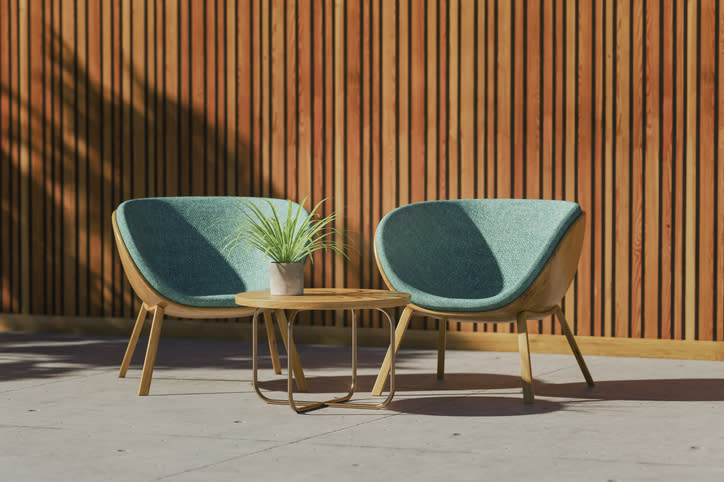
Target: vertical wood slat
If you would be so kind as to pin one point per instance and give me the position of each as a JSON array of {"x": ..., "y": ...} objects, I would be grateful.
[
  {"x": 372, "y": 105},
  {"x": 598, "y": 170},
  {"x": 169, "y": 21},
  {"x": 331, "y": 129},
  {"x": 667, "y": 172},
  {"x": 351, "y": 269},
  {"x": 35, "y": 241},
  {"x": 316, "y": 118},
  {"x": 608, "y": 131},
  {"x": 489, "y": 163},
  {"x": 679, "y": 140},
  {"x": 69, "y": 93},
  {"x": 583, "y": 163},
  {"x": 636, "y": 180},
  {"x": 241, "y": 79},
  {"x": 719, "y": 207},
  {"x": 621, "y": 163},
  {"x": 80, "y": 250},
  {"x": 402, "y": 115},
  {"x": 706, "y": 183},
  {"x": 651, "y": 175},
  {"x": 690, "y": 117},
  {"x": 5, "y": 142},
  {"x": 94, "y": 165},
  {"x": 210, "y": 89},
  {"x": 339, "y": 147},
  {"x": 569, "y": 125},
  {"x": 23, "y": 178},
  {"x": 105, "y": 152}
]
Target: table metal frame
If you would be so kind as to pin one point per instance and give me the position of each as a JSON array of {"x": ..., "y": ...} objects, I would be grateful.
[{"x": 334, "y": 402}]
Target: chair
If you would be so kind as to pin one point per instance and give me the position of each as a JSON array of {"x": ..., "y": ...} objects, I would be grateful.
[
  {"x": 493, "y": 260},
  {"x": 172, "y": 251}
]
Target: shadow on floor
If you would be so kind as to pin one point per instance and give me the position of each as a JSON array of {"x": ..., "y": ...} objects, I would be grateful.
[
  {"x": 42, "y": 356},
  {"x": 660, "y": 390},
  {"x": 474, "y": 406}
]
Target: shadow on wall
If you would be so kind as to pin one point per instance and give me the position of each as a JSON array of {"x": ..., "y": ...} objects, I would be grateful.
[{"x": 85, "y": 140}]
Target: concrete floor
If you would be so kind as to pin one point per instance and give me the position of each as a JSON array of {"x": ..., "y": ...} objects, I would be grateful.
[{"x": 64, "y": 415}]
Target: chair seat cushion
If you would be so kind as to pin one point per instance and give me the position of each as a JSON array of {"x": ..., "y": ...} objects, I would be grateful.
[
  {"x": 178, "y": 246},
  {"x": 472, "y": 255}
]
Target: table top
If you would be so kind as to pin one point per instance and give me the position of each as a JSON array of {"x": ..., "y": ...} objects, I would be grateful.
[{"x": 325, "y": 299}]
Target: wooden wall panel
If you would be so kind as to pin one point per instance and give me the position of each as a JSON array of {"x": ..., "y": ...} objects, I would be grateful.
[{"x": 371, "y": 105}]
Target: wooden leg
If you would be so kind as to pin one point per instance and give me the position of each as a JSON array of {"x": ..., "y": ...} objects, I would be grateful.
[
  {"x": 272, "y": 339},
  {"x": 291, "y": 351},
  {"x": 441, "y": 334},
  {"x": 140, "y": 320},
  {"x": 574, "y": 346},
  {"x": 526, "y": 373},
  {"x": 385, "y": 369},
  {"x": 151, "y": 351}
]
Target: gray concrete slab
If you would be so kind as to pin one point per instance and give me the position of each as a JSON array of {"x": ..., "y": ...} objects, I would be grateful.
[{"x": 64, "y": 415}]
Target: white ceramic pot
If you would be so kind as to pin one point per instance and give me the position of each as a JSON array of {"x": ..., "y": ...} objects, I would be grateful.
[{"x": 286, "y": 279}]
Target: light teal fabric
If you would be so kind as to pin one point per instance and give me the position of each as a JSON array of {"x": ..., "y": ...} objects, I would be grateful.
[
  {"x": 178, "y": 243},
  {"x": 470, "y": 255}
]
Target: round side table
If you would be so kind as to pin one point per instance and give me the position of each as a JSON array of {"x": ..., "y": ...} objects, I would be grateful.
[{"x": 324, "y": 299}]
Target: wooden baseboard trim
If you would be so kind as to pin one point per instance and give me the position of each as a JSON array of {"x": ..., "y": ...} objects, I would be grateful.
[{"x": 234, "y": 330}]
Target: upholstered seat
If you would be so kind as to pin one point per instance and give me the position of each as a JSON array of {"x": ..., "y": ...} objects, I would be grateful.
[
  {"x": 494, "y": 260},
  {"x": 177, "y": 244},
  {"x": 484, "y": 252},
  {"x": 174, "y": 253}
]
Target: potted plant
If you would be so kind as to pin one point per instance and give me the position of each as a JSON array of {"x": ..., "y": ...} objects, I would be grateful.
[{"x": 288, "y": 243}]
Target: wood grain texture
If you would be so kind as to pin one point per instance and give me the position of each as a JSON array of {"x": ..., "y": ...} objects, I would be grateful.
[
  {"x": 616, "y": 105},
  {"x": 324, "y": 299},
  {"x": 691, "y": 162},
  {"x": 719, "y": 193},
  {"x": 706, "y": 185},
  {"x": 598, "y": 169},
  {"x": 608, "y": 131}
]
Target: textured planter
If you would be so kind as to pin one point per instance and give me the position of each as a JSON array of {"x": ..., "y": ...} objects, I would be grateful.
[{"x": 286, "y": 279}]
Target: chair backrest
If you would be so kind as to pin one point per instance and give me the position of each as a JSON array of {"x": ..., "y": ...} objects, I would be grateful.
[
  {"x": 470, "y": 255},
  {"x": 178, "y": 246}
]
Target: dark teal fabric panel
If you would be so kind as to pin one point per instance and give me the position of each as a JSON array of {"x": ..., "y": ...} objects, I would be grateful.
[
  {"x": 178, "y": 245},
  {"x": 470, "y": 255}
]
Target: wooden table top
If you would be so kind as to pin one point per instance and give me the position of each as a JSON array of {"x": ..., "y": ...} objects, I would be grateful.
[{"x": 325, "y": 299}]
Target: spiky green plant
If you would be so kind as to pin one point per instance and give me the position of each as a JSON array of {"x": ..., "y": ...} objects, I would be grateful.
[{"x": 291, "y": 241}]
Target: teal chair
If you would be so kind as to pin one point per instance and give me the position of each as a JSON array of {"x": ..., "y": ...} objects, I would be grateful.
[
  {"x": 493, "y": 260},
  {"x": 173, "y": 252}
]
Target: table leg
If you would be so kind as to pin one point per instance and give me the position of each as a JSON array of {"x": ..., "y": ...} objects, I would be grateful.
[
  {"x": 291, "y": 350},
  {"x": 255, "y": 361},
  {"x": 290, "y": 374}
]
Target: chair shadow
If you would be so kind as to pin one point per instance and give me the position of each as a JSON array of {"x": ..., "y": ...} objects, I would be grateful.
[
  {"x": 474, "y": 406},
  {"x": 410, "y": 392}
]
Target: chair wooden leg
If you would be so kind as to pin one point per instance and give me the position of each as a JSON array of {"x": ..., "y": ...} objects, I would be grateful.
[
  {"x": 272, "y": 339},
  {"x": 526, "y": 374},
  {"x": 151, "y": 351},
  {"x": 291, "y": 351},
  {"x": 385, "y": 369},
  {"x": 441, "y": 342},
  {"x": 140, "y": 320},
  {"x": 574, "y": 346}
]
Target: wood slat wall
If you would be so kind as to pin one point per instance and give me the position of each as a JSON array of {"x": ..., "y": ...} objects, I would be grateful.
[{"x": 371, "y": 104}]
